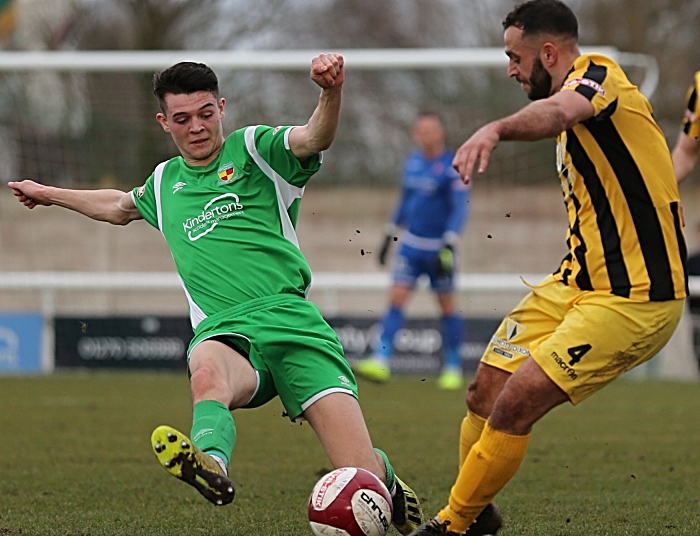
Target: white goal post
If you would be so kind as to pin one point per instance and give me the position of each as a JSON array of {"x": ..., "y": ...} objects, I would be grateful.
[{"x": 296, "y": 60}]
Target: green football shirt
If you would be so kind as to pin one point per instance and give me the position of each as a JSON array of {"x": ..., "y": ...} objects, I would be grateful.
[{"x": 230, "y": 226}]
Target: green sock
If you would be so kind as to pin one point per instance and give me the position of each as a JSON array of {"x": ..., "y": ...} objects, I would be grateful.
[
  {"x": 213, "y": 429},
  {"x": 390, "y": 475}
]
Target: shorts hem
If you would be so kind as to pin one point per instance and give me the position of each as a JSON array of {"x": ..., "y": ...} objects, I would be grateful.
[{"x": 317, "y": 397}]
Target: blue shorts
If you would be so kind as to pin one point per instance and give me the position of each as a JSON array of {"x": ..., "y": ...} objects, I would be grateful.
[{"x": 410, "y": 263}]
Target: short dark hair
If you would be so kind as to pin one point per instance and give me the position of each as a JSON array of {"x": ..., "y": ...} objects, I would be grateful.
[
  {"x": 184, "y": 78},
  {"x": 543, "y": 17},
  {"x": 431, "y": 113}
]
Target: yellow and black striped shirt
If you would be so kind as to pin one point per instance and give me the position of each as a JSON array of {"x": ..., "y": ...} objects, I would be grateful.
[
  {"x": 625, "y": 221},
  {"x": 691, "y": 117}
]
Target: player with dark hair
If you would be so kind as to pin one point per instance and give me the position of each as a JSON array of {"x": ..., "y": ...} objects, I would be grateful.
[
  {"x": 618, "y": 295},
  {"x": 432, "y": 209},
  {"x": 227, "y": 207},
  {"x": 184, "y": 78},
  {"x": 687, "y": 150}
]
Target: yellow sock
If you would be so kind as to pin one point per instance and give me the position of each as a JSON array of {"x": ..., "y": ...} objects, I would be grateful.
[
  {"x": 472, "y": 426},
  {"x": 490, "y": 464}
]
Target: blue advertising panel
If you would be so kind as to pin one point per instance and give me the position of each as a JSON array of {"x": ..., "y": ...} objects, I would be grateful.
[{"x": 20, "y": 342}]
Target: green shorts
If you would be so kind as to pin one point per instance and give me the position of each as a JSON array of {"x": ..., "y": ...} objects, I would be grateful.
[{"x": 293, "y": 350}]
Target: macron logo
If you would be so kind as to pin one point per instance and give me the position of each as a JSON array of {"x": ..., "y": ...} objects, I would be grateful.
[{"x": 179, "y": 186}]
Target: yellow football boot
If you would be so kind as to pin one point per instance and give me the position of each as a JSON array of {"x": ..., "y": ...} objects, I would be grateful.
[
  {"x": 372, "y": 369},
  {"x": 408, "y": 513},
  {"x": 450, "y": 380},
  {"x": 178, "y": 455}
]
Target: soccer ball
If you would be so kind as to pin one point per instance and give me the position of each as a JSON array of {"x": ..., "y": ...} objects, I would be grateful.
[{"x": 350, "y": 502}]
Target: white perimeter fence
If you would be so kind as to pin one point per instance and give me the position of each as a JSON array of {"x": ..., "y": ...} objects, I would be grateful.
[{"x": 677, "y": 361}]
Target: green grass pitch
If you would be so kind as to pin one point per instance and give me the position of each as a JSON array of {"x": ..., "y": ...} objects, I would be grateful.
[{"x": 76, "y": 459}]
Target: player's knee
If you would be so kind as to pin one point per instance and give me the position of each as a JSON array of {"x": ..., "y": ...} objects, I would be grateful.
[
  {"x": 517, "y": 409},
  {"x": 480, "y": 399},
  {"x": 206, "y": 384}
]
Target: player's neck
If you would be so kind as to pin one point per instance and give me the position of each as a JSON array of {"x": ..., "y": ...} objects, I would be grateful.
[
  {"x": 433, "y": 152},
  {"x": 566, "y": 63}
]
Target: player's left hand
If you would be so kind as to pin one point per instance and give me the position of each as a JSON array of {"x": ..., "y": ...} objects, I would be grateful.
[
  {"x": 478, "y": 147},
  {"x": 328, "y": 70},
  {"x": 446, "y": 260}
]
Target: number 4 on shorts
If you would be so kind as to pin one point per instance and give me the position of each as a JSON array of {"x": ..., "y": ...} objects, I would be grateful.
[{"x": 577, "y": 352}]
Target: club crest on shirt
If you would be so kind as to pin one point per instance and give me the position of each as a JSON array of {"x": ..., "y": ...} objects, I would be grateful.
[
  {"x": 226, "y": 172},
  {"x": 513, "y": 329}
]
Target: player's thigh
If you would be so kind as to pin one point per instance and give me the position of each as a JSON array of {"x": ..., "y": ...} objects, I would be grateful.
[
  {"x": 602, "y": 337},
  {"x": 217, "y": 367}
]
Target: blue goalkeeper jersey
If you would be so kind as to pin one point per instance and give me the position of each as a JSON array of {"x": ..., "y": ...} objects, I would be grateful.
[{"x": 434, "y": 201}]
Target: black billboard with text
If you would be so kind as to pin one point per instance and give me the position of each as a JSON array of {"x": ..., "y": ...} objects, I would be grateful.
[
  {"x": 152, "y": 342},
  {"x": 148, "y": 342}
]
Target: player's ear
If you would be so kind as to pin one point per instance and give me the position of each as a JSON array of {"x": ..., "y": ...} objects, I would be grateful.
[
  {"x": 160, "y": 117},
  {"x": 549, "y": 54}
]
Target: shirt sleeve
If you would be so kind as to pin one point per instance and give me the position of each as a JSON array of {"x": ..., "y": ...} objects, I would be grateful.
[
  {"x": 691, "y": 115},
  {"x": 272, "y": 144},
  {"x": 597, "y": 83},
  {"x": 145, "y": 201}
]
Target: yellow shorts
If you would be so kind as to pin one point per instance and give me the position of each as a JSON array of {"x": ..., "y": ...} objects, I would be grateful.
[{"x": 583, "y": 340}]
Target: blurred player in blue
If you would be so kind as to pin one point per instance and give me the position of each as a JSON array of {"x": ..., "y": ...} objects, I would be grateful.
[{"x": 432, "y": 212}]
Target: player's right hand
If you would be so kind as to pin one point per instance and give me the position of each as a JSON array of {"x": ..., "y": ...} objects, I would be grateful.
[
  {"x": 29, "y": 193},
  {"x": 328, "y": 71},
  {"x": 478, "y": 147},
  {"x": 384, "y": 249}
]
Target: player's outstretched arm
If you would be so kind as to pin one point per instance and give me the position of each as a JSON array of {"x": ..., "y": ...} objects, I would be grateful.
[
  {"x": 328, "y": 71},
  {"x": 112, "y": 206},
  {"x": 685, "y": 155},
  {"x": 546, "y": 118}
]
